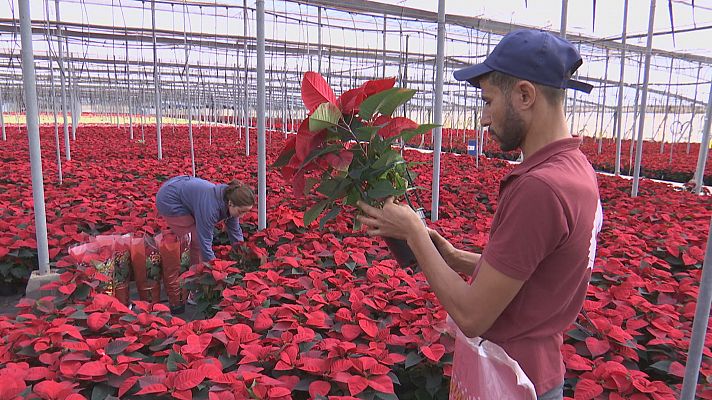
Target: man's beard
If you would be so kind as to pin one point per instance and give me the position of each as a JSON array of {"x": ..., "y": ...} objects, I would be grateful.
[{"x": 512, "y": 133}]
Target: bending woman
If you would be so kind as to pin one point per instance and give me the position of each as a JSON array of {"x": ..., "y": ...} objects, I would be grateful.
[{"x": 194, "y": 205}]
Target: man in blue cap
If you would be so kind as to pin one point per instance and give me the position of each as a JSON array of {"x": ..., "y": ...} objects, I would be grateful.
[{"x": 529, "y": 283}]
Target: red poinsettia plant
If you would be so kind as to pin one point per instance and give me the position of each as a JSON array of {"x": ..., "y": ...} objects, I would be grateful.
[{"x": 347, "y": 148}]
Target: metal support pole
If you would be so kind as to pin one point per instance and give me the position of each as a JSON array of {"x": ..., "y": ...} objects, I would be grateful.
[
  {"x": 71, "y": 86},
  {"x": 564, "y": 15},
  {"x": 235, "y": 85},
  {"x": 667, "y": 105},
  {"x": 385, "y": 25},
  {"x": 573, "y": 104},
  {"x": 62, "y": 77},
  {"x": 2, "y": 118},
  {"x": 33, "y": 133},
  {"x": 603, "y": 105},
  {"x": 643, "y": 102},
  {"x": 189, "y": 99},
  {"x": 128, "y": 90},
  {"x": 694, "y": 107},
  {"x": 143, "y": 114},
  {"x": 704, "y": 149},
  {"x": 156, "y": 82},
  {"x": 699, "y": 324},
  {"x": 261, "y": 146},
  {"x": 53, "y": 95},
  {"x": 246, "y": 102},
  {"x": 56, "y": 127},
  {"x": 438, "y": 117},
  {"x": 619, "y": 115},
  {"x": 318, "y": 37}
]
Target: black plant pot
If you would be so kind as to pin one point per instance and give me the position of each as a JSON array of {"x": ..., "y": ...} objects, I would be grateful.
[
  {"x": 400, "y": 249},
  {"x": 401, "y": 252}
]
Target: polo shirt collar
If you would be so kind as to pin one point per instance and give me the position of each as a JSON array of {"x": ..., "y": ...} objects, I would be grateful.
[{"x": 543, "y": 154}]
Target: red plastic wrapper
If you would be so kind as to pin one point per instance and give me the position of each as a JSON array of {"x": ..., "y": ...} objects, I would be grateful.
[
  {"x": 169, "y": 246},
  {"x": 99, "y": 253},
  {"x": 153, "y": 266},
  {"x": 185, "y": 241},
  {"x": 137, "y": 250}
]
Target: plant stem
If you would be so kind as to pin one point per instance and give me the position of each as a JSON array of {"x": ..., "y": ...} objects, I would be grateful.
[{"x": 353, "y": 135}]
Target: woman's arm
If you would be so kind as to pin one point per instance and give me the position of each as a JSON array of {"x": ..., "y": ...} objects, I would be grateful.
[{"x": 234, "y": 230}]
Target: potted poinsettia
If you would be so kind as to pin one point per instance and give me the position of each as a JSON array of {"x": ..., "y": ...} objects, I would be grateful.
[{"x": 348, "y": 148}]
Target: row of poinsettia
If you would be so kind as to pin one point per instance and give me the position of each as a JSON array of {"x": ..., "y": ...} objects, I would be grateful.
[
  {"x": 641, "y": 238},
  {"x": 678, "y": 167},
  {"x": 312, "y": 321}
]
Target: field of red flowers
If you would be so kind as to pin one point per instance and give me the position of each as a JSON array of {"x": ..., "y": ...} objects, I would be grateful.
[
  {"x": 329, "y": 313},
  {"x": 678, "y": 167}
]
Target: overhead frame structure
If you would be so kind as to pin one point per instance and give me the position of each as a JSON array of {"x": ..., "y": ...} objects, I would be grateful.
[
  {"x": 23, "y": 96},
  {"x": 134, "y": 69}
]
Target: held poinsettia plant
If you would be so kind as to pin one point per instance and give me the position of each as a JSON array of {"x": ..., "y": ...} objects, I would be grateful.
[{"x": 346, "y": 149}]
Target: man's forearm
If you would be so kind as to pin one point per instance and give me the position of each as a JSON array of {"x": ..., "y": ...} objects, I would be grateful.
[{"x": 463, "y": 261}]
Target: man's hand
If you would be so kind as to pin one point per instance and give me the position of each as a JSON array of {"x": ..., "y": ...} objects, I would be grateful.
[
  {"x": 394, "y": 220},
  {"x": 445, "y": 248},
  {"x": 458, "y": 260}
]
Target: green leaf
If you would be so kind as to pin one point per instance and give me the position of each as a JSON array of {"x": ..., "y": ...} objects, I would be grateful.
[
  {"x": 381, "y": 190},
  {"x": 309, "y": 184},
  {"x": 353, "y": 196},
  {"x": 79, "y": 314},
  {"x": 663, "y": 365},
  {"x": 314, "y": 212},
  {"x": 413, "y": 358},
  {"x": 173, "y": 359},
  {"x": 27, "y": 351},
  {"x": 101, "y": 391},
  {"x": 387, "y": 159},
  {"x": 329, "y": 216},
  {"x": 284, "y": 159},
  {"x": 385, "y": 102},
  {"x": 577, "y": 334},
  {"x": 351, "y": 265},
  {"x": 328, "y": 187},
  {"x": 5, "y": 268},
  {"x": 408, "y": 134},
  {"x": 227, "y": 361},
  {"x": 433, "y": 380},
  {"x": 422, "y": 394},
  {"x": 20, "y": 271},
  {"x": 116, "y": 346},
  {"x": 394, "y": 378},
  {"x": 82, "y": 292},
  {"x": 366, "y": 133},
  {"x": 325, "y": 116},
  {"x": 306, "y": 346},
  {"x": 356, "y": 172}
]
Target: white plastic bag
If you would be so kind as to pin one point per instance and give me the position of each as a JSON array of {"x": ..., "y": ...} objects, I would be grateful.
[{"x": 482, "y": 370}]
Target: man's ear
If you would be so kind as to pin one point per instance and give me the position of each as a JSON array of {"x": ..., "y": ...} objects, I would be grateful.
[{"x": 524, "y": 94}]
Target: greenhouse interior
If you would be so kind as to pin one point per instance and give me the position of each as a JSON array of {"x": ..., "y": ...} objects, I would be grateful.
[{"x": 340, "y": 200}]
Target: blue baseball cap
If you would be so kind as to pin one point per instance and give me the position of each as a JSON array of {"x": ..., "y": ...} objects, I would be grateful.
[{"x": 532, "y": 55}]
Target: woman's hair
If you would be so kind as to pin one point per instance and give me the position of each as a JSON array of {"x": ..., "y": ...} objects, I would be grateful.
[{"x": 239, "y": 194}]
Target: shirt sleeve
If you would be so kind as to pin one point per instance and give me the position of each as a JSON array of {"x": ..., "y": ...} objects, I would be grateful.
[
  {"x": 205, "y": 220},
  {"x": 234, "y": 230},
  {"x": 532, "y": 224}
]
